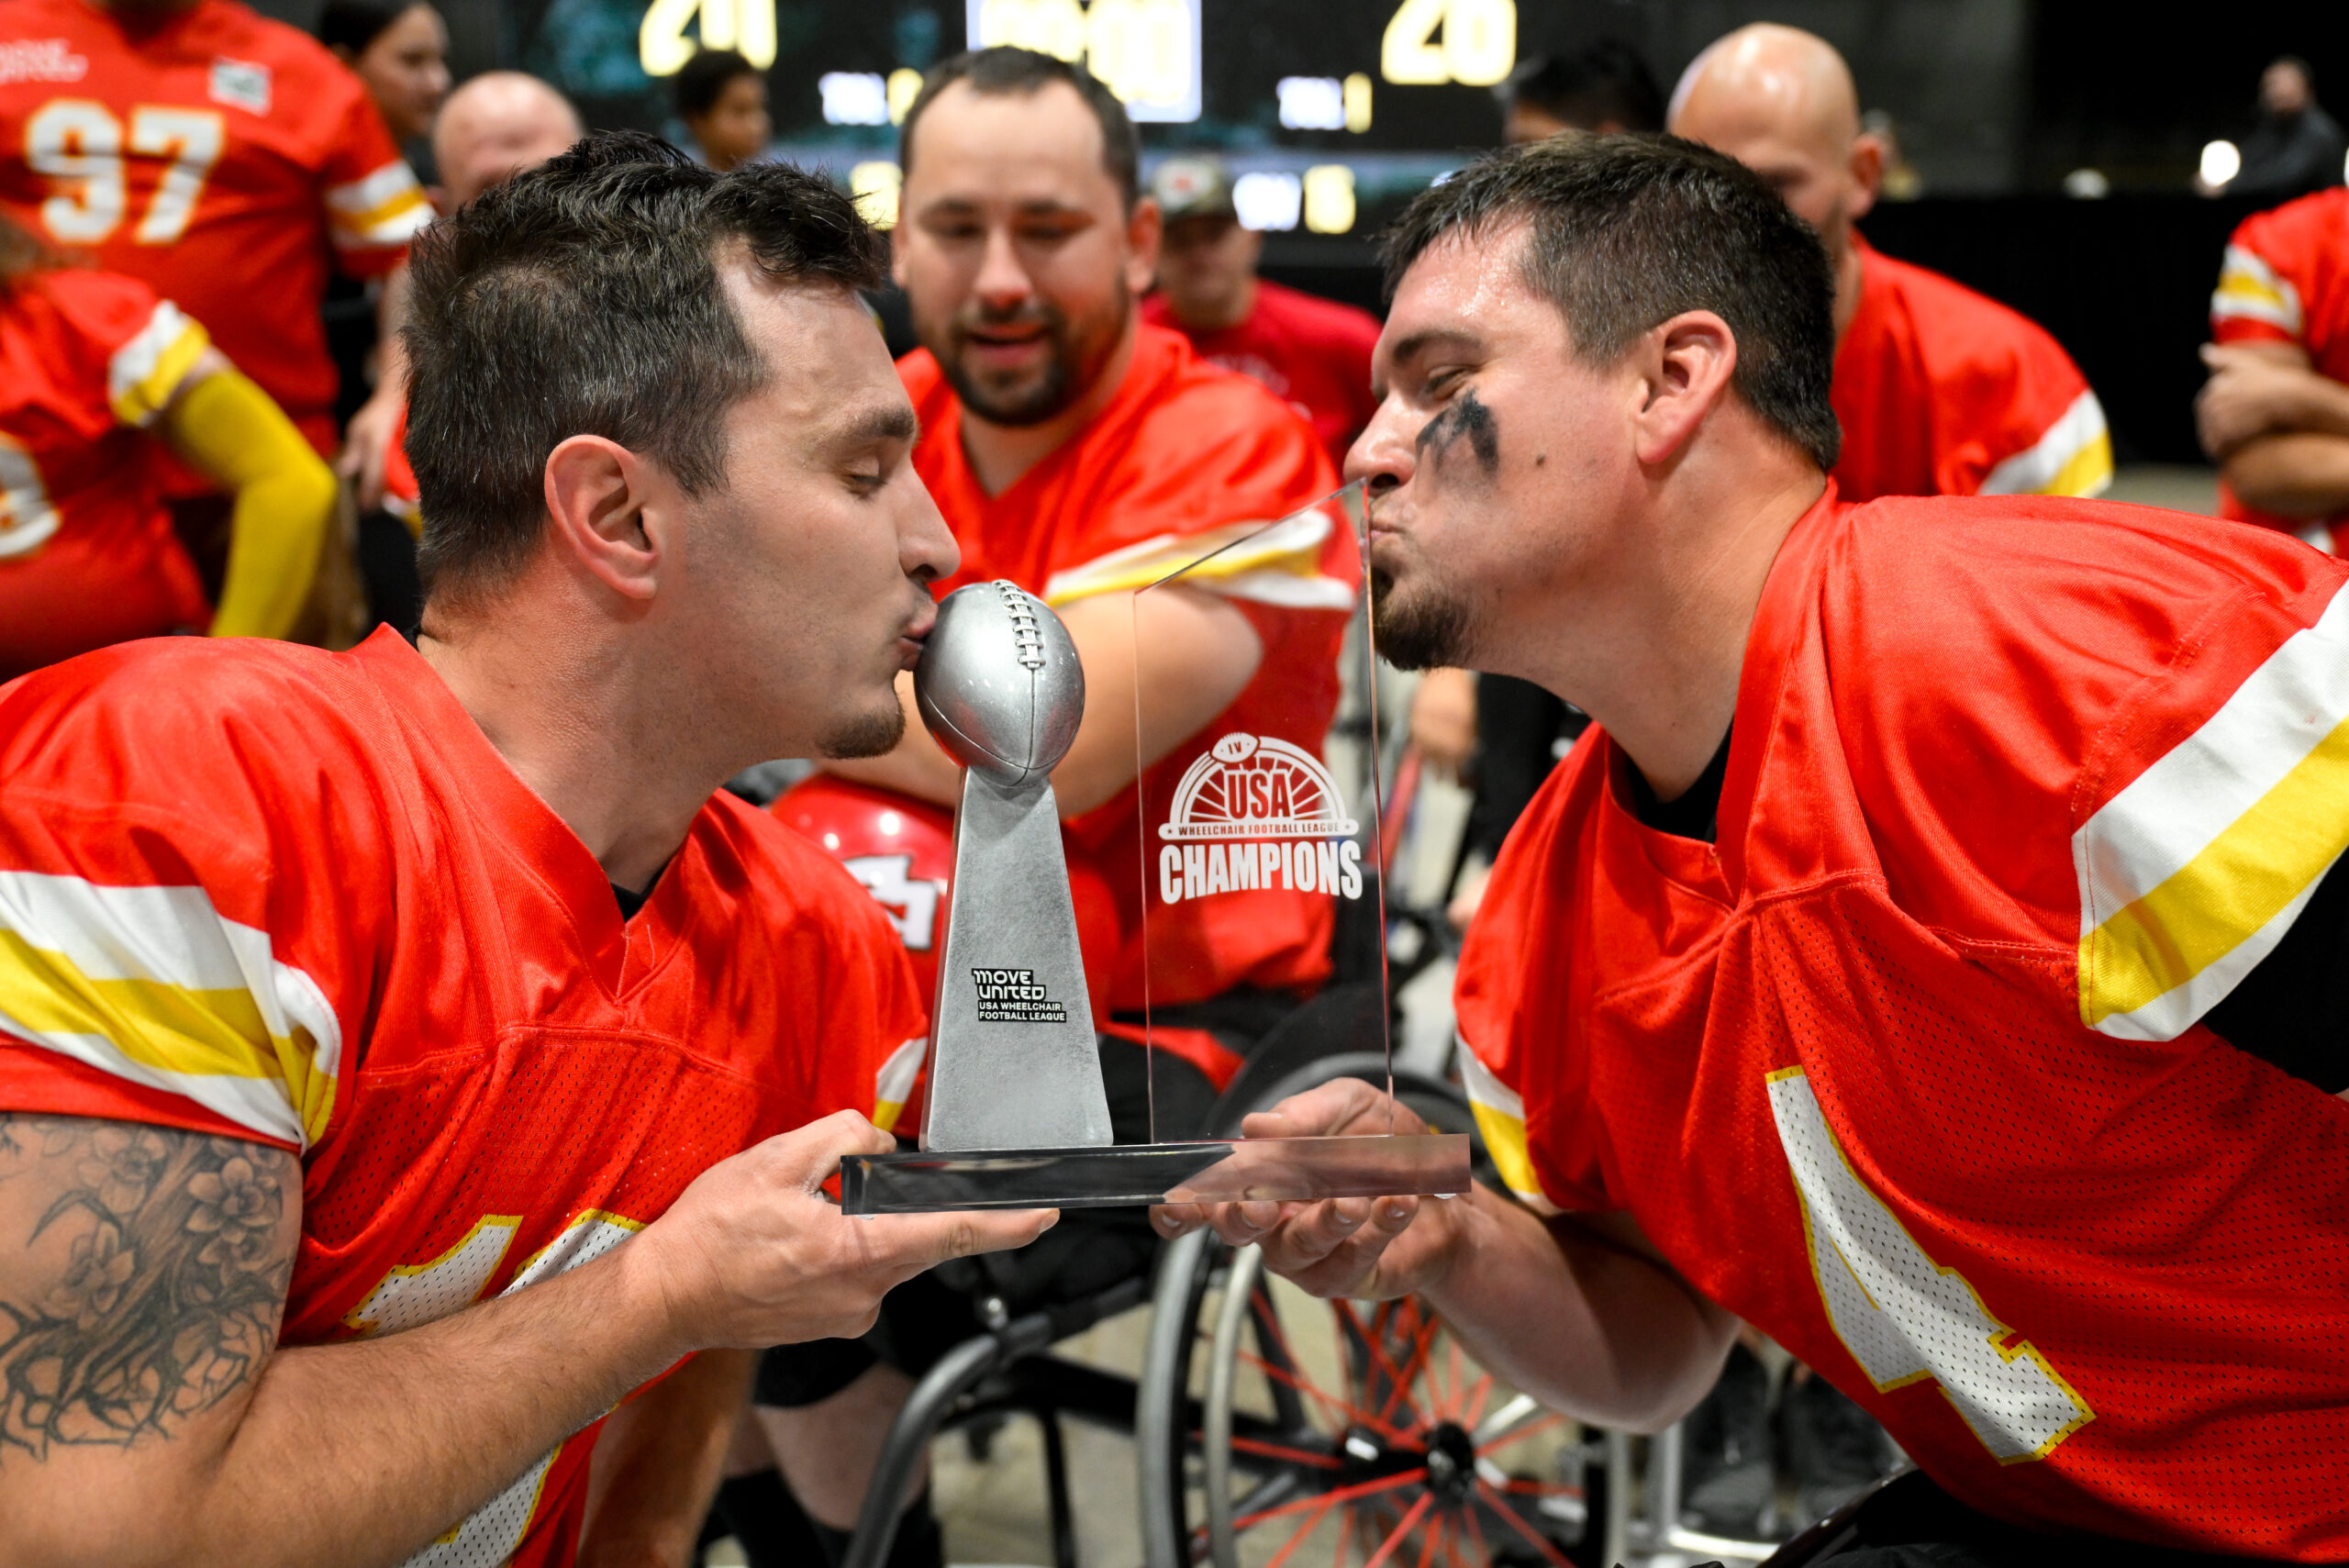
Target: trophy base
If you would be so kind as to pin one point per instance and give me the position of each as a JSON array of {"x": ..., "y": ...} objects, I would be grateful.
[{"x": 1126, "y": 1175}]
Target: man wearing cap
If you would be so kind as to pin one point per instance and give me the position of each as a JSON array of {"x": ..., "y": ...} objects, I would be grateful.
[{"x": 1313, "y": 353}]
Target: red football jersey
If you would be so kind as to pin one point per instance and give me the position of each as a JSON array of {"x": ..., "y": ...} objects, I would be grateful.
[
  {"x": 1187, "y": 458},
  {"x": 1942, "y": 392},
  {"x": 1909, "y": 1072},
  {"x": 1311, "y": 352},
  {"x": 400, "y": 497},
  {"x": 225, "y": 158},
  {"x": 298, "y": 898},
  {"x": 87, "y": 554},
  {"x": 2286, "y": 279}
]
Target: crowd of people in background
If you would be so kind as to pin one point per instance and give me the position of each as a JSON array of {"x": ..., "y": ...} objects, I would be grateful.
[{"x": 208, "y": 209}]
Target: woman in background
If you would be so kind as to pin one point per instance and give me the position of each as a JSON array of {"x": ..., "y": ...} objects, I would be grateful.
[
  {"x": 400, "y": 49},
  {"x": 98, "y": 377}
]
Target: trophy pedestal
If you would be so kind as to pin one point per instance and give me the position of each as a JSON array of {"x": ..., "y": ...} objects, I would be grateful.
[{"x": 1298, "y": 1170}]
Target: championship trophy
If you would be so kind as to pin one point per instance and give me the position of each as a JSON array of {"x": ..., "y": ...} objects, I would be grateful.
[{"x": 1015, "y": 1114}]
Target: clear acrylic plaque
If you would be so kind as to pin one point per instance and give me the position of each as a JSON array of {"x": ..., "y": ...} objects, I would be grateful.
[{"x": 1257, "y": 850}]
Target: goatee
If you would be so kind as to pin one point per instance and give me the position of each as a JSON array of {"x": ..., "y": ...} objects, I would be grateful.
[{"x": 1421, "y": 630}]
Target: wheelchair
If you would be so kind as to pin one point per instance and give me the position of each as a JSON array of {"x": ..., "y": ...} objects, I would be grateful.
[{"x": 1261, "y": 1415}]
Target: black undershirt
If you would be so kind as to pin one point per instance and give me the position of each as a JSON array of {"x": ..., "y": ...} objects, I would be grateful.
[
  {"x": 1696, "y": 812},
  {"x": 2291, "y": 1011}
]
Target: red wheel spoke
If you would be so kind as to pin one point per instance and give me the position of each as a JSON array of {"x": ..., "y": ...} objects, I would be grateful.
[
  {"x": 1278, "y": 1450},
  {"x": 1475, "y": 1411},
  {"x": 1523, "y": 1487},
  {"x": 1337, "y": 1494},
  {"x": 1416, "y": 1513},
  {"x": 1429, "y": 1539},
  {"x": 1373, "y": 1343},
  {"x": 1452, "y": 1542},
  {"x": 1348, "y": 1413},
  {"x": 1418, "y": 1364},
  {"x": 1534, "y": 1538},
  {"x": 1313, "y": 1523},
  {"x": 1459, "y": 1381},
  {"x": 1519, "y": 1434}
]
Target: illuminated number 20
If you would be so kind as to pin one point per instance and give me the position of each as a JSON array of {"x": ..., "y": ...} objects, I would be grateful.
[
  {"x": 745, "y": 25},
  {"x": 1478, "y": 49}
]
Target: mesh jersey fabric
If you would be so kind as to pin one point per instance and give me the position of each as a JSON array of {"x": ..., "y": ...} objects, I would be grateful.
[
  {"x": 225, "y": 158},
  {"x": 351, "y": 930},
  {"x": 1907, "y": 1070},
  {"x": 1312, "y": 354},
  {"x": 1184, "y": 459},
  {"x": 1942, "y": 390},
  {"x": 87, "y": 556},
  {"x": 2285, "y": 279}
]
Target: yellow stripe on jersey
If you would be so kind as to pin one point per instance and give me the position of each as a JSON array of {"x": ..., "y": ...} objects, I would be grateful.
[
  {"x": 385, "y": 208},
  {"x": 1501, "y": 1116},
  {"x": 1273, "y": 563},
  {"x": 2251, "y": 290},
  {"x": 144, "y": 372},
  {"x": 153, "y": 986},
  {"x": 2192, "y": 874},
  {"x": 2074, "y": 457},
  {"x": 894, "y": 1082}
]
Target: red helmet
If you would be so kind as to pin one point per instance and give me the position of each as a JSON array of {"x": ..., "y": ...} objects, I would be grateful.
[{"x": 902, "y": 850}]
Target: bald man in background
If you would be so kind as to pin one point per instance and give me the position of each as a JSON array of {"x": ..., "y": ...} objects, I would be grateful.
[
  {"x": 492, "y": 128},
  {"x": 1940, "y": 390}
]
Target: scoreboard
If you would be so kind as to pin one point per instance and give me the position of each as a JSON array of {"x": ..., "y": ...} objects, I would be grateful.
[{"x": 1331, "y": 113}]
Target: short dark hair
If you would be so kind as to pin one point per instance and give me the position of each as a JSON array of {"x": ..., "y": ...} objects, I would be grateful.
[
  {"x": 1004, "y": 70},
  {"x": 582, "y": 297},
  {"x": 1628, "y": 231},
  {"x": 355, "y": 23},
  {"x": 704, "y": 79},
  {"x": 1586, "y": 88}
]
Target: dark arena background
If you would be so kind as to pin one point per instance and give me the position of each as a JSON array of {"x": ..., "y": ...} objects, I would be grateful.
[{"x": 1348, "y": 107}]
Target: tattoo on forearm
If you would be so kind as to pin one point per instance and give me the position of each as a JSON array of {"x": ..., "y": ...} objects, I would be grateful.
[
  {"x": 174, "y": 1288},
  {"x": 1467, "y": 419}
]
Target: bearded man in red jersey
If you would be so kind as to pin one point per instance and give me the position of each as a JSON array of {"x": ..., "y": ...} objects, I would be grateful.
[
  {"x": 1933, "y": 954},
  {"x": 416, "y": 1080}
]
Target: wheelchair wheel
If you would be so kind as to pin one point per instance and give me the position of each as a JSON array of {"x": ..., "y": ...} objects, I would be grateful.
[{"x": 1275, "y": 1427}]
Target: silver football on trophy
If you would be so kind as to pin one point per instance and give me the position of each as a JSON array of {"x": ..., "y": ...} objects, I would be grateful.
[{"x": 998, "y": 684}]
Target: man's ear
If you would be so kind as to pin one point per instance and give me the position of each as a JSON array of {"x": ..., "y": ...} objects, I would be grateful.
[
  {"x": 1686, "y": 364},
  {"x": 897, "y": 244},
  {"x": 605, "y": 517},
  {"x": 1867, "y": 174},
  {"x": 1145, "y": 229}
]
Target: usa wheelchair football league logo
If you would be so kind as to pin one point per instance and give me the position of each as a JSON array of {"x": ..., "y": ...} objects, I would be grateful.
[{"x": 1257, "y": 813}]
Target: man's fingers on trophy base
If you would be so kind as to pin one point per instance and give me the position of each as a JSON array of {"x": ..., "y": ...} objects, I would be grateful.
[
  {"x": 1173, "y": 1219},
  {"x": 811, "y": 1156}
]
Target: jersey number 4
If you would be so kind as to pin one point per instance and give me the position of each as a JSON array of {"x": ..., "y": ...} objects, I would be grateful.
[
  {"x": 80, "y": 144},
  {"x": 1903, "y": 1317},
  {"x": 415, "y": 1293}
]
